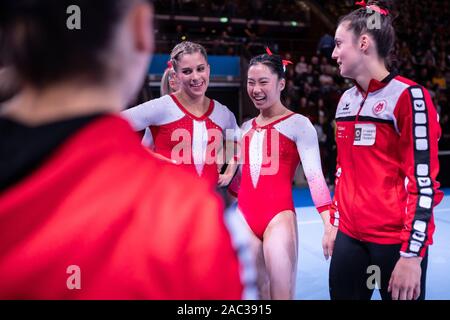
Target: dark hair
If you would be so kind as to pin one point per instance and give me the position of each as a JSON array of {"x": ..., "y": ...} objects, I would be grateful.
[
  {"x": 9, "y": 86},
  {"x": 384, "y": 35},
  {"x": 42, "y": 48},
  {"x": 273, "y": 62},
  {"x": 186, "y": 47},
  {"x": 3, "y": 49}
]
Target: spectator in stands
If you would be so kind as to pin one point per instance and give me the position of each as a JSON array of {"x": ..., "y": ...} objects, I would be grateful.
[
  {"x": 301, "y": 67},
  {"x": 325, "y": 46}
]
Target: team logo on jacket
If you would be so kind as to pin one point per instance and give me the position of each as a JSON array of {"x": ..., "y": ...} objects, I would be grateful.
[
  {"x": 379, "y": 107},
  {"x": 343, "y": 109}
]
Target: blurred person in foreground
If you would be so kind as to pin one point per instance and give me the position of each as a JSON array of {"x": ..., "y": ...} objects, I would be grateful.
[{"x": 85, "y": 211}]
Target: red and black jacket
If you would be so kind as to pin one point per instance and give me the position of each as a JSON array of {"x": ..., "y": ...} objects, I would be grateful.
[{"x": 386, "y": 186}]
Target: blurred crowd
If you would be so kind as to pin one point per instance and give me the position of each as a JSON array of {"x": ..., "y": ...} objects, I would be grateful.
[
  {"x": 313, "y": 83},
  {"x": 248, "y": 9},
  {"x": 422, "y": 54},
  {"x": 423, "y": 44}
]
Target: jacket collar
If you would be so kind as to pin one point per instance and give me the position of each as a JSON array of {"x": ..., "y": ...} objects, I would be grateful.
[{"x": 375, "y": 85}]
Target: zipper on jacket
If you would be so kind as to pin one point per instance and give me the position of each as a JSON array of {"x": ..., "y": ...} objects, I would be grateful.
[{"x": 361, "y": 105}]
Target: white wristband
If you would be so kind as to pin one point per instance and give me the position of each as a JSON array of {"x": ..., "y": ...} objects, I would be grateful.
[{"x": 408, "y": 254}]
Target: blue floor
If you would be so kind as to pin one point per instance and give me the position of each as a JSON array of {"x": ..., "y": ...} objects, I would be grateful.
[{"x": 312, "y": 276}]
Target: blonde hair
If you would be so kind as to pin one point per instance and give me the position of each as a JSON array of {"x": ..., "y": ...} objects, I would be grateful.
[
  {"x": 165, "y": 85},
  {"x": 186, "y": 47}
]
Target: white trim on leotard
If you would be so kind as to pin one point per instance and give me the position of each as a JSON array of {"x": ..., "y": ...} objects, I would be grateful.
[{"x": 299, "y": 129}]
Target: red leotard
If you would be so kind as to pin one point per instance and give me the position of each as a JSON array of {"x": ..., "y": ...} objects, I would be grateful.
[
  {"x": 270, "y": 156},
  {"x": 179, "y": 135}
]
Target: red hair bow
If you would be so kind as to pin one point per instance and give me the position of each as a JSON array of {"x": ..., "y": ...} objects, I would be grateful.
[
  {"x": 285, "y": 62},
  {"x": 374, "y": 7},
  {"x": 169, "y": 65}
]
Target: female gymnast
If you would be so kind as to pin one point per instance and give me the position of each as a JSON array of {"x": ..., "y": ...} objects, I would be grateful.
[
  {"x": 273, "y": 144},
  {"x": 186, "y": 126}
]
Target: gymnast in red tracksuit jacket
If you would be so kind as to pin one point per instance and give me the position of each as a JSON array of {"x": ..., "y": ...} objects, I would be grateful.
[
  {"x": 387, "y": 140},
  {"x": 85, "y": 211}
]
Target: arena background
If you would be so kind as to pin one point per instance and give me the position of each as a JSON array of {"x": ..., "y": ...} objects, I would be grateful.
[
  {"x": 233, "y": 31},
  {"x": 302, "y": 31}
]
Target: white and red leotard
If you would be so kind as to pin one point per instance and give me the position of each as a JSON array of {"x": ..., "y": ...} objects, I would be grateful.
[
  {"x": 270, "y": 156},
  {"x": 175, "y": 133}
]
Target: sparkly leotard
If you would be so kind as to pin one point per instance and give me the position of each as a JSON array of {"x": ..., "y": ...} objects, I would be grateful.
[
  {"x": 270, "y": 156},
  {"x": 177, "y": 134}
]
